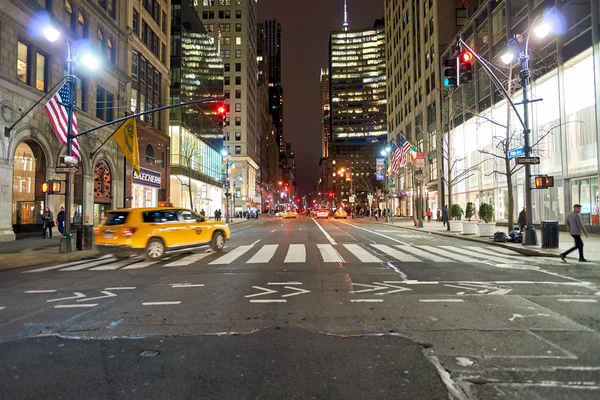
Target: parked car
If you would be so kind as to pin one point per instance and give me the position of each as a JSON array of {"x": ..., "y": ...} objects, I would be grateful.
[{"x": 153, "y": 232}]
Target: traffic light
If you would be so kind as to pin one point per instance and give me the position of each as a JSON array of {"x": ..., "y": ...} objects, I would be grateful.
[
  {"x": 465, "y": 58},
  {"x": 222, "y": 115},
  {"x": 544, "y": 181},
  {"x": 51, "y": 187},
  {"x": 450, "y": 72},
  {"x": 331, "y": 194}
]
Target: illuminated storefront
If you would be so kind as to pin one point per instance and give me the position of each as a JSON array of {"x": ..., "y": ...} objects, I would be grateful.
[{"x": 145, "y": 188}]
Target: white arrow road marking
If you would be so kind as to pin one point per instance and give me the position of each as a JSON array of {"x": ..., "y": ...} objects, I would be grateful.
[
  {"x": 298, "y": 291},
  {"x": 2, "y": 308},
  {"x": 398, "y": 289},
  {"x": 120, "y": 288},
  {"x": 520, "y": 316},
  {"x": 441, "y": 301},
  {"x": 78, "y": 295},
  {"x": 161, "y": 303},
  {"x": 265, "y": 291},
  {"x": 373, "y": 288},
  {"x": 500, "y": 292},
  {"x": 105, "y": 292},
  {"x": 284, "y": 283}
]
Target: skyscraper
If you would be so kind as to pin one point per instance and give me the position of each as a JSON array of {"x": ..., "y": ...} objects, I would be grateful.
[
  {"x": 325, "y": 112},
  {"x": 358, "y": 124},
  {"x": 271, "y": 57},
  {"x": 233, "y": 24}
]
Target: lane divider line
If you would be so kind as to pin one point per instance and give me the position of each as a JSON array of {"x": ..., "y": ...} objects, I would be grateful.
[
  {"x": 327, "y": 235},
  {"x": 161, "y": 303}
]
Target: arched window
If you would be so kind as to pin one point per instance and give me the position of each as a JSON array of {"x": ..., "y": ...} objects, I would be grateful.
[
  {"x": 111, "y": 50},
  {"x": 150, "y": 154},
  {"x": 68, "y": 16},
  {"x": 81, "y": 25},
  {"x": 101, "y": 43}
]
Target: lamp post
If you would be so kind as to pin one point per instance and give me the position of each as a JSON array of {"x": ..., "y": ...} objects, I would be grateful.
[
  {"x": 541, "y": 31},
  {"x": 386, "y": 153},
  {"x": 225, "y": 154},
  {"x": 52, "y": 35}
]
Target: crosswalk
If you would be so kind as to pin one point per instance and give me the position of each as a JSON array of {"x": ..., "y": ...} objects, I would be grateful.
[{"x": 297, "y": 253}]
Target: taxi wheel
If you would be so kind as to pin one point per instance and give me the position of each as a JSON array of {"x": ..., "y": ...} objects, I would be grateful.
[
  {"x": 155, "y": 249},
  {"x": 218, "y": 241}
]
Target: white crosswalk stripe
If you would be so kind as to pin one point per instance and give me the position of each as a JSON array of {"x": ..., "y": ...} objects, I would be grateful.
[
  {"x": 187, "y": 260},
  {"x": 86, "y": 265},
  {"x": 233, "y": 255},
  {"x": 264, "y": 255},
  {"x": 296, "y": 254},
  {"x": 448, "y": 254},
  {"x": 111, "y": 266},
  {"x": 106, "y": 258},
  {"x": 140, "y": 265},
  {"x": 423, "y": 254},
  {"x": 478, "y": 252},
  {"x": 362, "y": 254},
  {"x": 494, "y": 252},
  {"x": 390, "y": 251},
  {"x": 329, "y": 254}
]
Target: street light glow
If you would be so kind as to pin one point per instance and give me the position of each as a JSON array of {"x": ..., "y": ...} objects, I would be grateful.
[
  {"x": 89, "y": 60},
  {"x": 52, "y": 34},
  {"x": 224, "y": 153},
  {"x": 383, "y": 153},
  {"x": 507, "y": 57},
  {"x": 542, "y": 29}
]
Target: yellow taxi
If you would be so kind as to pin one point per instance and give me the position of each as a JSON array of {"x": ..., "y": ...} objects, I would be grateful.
[
  {"x": 340, "y": 213},
  {"x": 289, "y": 214},
  {"x": 153, "y": 232}
]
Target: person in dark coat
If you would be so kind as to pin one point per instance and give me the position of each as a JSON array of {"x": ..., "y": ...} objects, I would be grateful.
[
  {"x": 522, "y": 221},
  {"x": 60, "y": 220},
  {"x": 47, "y": 223},
  {"x": 445, "y": 215}
]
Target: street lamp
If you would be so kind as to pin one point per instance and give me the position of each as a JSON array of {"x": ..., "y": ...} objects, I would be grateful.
[
  {"x": 386, "y": 153},
  {"x": 541, "y": 30},
  {"x": 52, "y": 35}
]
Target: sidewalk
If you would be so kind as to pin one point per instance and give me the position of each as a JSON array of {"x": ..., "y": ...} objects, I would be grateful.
[
  {"x": 36, "y": 251},
  {"x": 591, "y": 244}
]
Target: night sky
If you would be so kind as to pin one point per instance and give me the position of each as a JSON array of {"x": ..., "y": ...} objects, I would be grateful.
[{"x": 305, "y": 40}]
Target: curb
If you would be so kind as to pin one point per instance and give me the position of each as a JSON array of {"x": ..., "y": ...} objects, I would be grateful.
[{"x": 520, "y": 250}]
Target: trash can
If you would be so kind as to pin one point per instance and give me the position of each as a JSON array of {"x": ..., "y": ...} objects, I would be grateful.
[
  {"x": 79, "y": 238},
  {"x": 88, "y": 237},
  {"x": 549, "y": 234}
]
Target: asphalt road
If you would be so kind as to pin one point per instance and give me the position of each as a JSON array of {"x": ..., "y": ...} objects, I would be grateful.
[{"x": 333, "y": 309}]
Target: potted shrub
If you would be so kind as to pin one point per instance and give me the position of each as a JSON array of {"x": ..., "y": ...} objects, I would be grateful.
[
  {"x": 486, "y": 214},
  {"x": 468, "y": 227},
  {"x": 455, "y": 212}
]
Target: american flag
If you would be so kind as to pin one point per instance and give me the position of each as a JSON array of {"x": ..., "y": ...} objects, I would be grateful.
[
  {"x": 404, "y": 151},
  {"x": 57, "y": 112},
  {"x": 395, "y": 158}
]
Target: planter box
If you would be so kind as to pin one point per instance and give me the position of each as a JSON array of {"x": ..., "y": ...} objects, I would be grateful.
[
  {"x": 469, "y": 228},
  {"x": 487, "y": 229},
  {"x": 456, "y": 226}
]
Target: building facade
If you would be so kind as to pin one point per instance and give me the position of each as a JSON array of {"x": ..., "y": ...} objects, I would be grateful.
[
  {"x": 30, "y": 68},
  {"x": 358, "y": 128},
  {"x": 149, "y": 38},
  {"x": 233, "y": 24},
  {"x": 565, "y": 70},
  {"x": 416, "y": 34},
  {"x": 325, "y": 112},
  {"x": 196, "y": 136}
]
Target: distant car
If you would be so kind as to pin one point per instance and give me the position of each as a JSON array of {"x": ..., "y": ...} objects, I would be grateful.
[
  {"x": 341, "y": 214},
  {"x": 153, "y": 232},
  {"x": 290, "y": 214},
  {"x": 323, "y": 214},
  {"x": 278, "y": 214}
]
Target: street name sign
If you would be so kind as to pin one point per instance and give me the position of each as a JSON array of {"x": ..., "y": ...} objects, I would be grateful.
[
  {"x": 519, "y": 151},
  {"x": 67, "y": 170},
  {"x": 528, "y": 160}
]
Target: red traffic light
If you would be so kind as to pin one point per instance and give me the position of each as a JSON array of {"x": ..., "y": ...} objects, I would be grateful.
[
  {"x": 222, "y": 109},
  {"x": 465, "y": 57}
]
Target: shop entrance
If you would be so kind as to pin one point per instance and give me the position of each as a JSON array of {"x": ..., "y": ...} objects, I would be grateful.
[
  {"x": 102, "y": 190},
  {"x": 28, "y": 201},
  {"x": 585, "y": 192}
]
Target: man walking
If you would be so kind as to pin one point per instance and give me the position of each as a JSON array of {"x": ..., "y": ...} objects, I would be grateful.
[
  {"x": 60, "y": 220},
  {"x": 575, "y": 227},
  {"x": 522, "y": 221},
  {"x": 445, "y": 214}
]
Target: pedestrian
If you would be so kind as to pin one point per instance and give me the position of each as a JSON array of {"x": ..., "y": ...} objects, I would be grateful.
[
  {"x": 219, "y": 213},
  {"x": 575, "y": 227},
  {"x": 47, "y": 223},
  {"x": 522, "y": 221},
  {"x": 203, "y": 213},
  {"x": 438, "y": 215},
  {"x": 445, "y": 215},
  {"x": 216, "y": 215},
  {"x": 429, "y": 215},
  {"x": 60, "y": 220}
]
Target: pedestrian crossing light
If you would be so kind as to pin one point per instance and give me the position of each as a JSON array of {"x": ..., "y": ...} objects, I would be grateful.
[
  {"x": 544, "y": 182},
  {"x": 51, "y": 187},
  {"x": 465, "y": 58}
]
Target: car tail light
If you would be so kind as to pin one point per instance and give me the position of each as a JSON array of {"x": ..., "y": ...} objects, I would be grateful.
[
  {"x": 96, "y": 231},
  {"x": 128, "y": 231}
]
